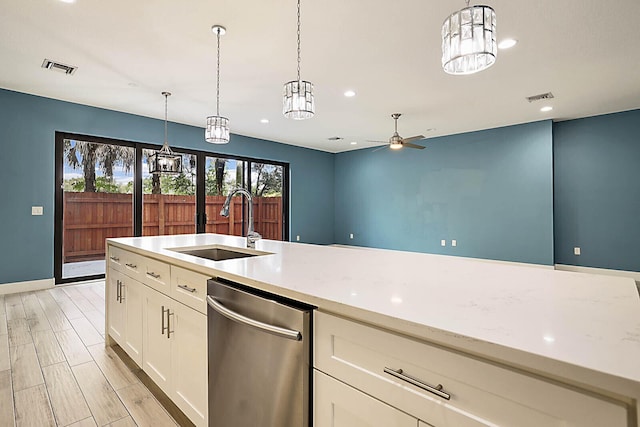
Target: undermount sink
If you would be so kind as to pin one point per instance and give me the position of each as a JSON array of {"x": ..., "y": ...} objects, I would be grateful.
[{"x": 217, "y": 252}]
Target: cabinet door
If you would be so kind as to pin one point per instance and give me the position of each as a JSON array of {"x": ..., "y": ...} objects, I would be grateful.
[
  {"x": 338, "y": 405},
  {"x": 189, "y": 362},
  {"x": 156, "y": 355},
  {"x": 116, "y": 314},
  {"x": 133, "y": 299}
]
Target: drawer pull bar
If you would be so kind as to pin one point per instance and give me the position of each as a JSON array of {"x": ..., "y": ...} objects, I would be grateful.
[
  {"x": 152, "y": 274},
  {"x": 437, "y": 390},
  {"x": 187, "y": 288},
  {"x": 114, "y": 258},
  {"x": 131, "y": 265}
]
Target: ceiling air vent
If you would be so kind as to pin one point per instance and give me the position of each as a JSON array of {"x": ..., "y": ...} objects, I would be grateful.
[
  {"x": 540, "y": 97},
  {"x": 57, "y": 66},
  {"x": 335, "y": 138}
]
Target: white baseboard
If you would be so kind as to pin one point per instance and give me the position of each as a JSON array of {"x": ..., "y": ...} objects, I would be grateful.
[
  {"x": 635, "y": 275},
  {"x": 33, "y": 285}
]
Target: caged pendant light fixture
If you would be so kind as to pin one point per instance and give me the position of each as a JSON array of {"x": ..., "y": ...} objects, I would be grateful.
[
  {"x": 165, "y": 161},
  {"x": 297, "y": 102},
  {"x": 217, "y": 131},
  {"x": 469, "y": 40}
]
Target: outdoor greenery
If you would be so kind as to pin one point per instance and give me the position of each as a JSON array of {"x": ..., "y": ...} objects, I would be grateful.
[{"x": 266, "y": 179}]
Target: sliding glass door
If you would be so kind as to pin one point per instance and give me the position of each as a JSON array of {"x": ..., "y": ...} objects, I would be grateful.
[
  {"x": 96, "y": 203},
  {"x": 104, "y": 189},
  {"x": 169, "y": 201}
]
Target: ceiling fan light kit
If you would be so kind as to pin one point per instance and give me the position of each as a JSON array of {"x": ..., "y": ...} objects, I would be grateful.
[
  {"x": 298, "y": 101},
  {"x": 217, "y": 130},
  {"x": 469, "y": 40},
  {"x": 165, "y": 161}
]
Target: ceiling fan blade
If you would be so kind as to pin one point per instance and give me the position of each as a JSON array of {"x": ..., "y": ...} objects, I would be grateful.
[
  {"x": 413, "y": 138},
  {"x": 410, "y": 145}
]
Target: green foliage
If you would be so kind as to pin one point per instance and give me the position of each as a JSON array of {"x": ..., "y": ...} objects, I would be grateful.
[
  {"x": 268, "y": 180},
  {"x": 102, "y": 185}
]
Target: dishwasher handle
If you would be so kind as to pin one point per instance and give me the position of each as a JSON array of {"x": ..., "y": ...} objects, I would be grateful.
[{"x": 236, "y": 317}]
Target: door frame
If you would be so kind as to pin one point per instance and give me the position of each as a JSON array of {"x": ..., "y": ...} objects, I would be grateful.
[{"x": 199, "y": 220}]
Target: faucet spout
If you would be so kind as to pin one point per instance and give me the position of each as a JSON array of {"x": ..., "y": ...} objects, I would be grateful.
[{"x": 252, "y": 235}]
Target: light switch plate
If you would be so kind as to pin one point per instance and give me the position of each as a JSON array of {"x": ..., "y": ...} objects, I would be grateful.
[
  {"x": 351, "y": 235},
  {"x": 443, "y": 242},
  {"x": 576, "y": 251},
  {"x": 37, "y": 210},
  {"x": 454, "y": 243}
]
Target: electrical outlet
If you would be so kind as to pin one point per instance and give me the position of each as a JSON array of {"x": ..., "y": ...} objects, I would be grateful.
[
  {"x": 351, "y": 236},
  {"x": 443, "y": 242},
  {"x": 576, "y": 251},
  {"x": 36, "y": 210},
  {"x": 297, "y": 238},
  {"x": 454, "y": 243}
]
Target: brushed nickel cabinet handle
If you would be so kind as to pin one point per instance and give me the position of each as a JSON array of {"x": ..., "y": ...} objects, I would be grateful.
[
  {"x": 187, "y": 288},
  {"x": 162, "y": 317},
  {"x": 399, "y": 373},
  {"x": 169, "y": 331},
  {"x": 118, "y": 290},
  {"x": 121, "y": 293},
  {"x": 114, "y": 258},
  {"x": 131, "y": 265},
  {"x": 152, "y": 274}
]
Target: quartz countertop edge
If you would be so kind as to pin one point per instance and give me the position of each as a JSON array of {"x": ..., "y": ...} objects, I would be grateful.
[{"x": 574, "y": 327}]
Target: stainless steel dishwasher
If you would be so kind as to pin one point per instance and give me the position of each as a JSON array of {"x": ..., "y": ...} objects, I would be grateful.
[{"x": 259, "y": 358}]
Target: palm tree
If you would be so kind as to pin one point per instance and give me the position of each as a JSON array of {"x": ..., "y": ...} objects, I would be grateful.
[{"x": 86, "y": 155}]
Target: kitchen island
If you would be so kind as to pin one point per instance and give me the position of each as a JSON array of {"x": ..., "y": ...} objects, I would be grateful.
[{"x": 548, "y": 339}]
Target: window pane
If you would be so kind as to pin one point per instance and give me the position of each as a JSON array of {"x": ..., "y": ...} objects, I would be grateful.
[
  {"x": 222, "y": 176},
  {"x": 267, "y": 191},
  {"x": 169, "y": 201},
  {"x": 97, "y": 203}
]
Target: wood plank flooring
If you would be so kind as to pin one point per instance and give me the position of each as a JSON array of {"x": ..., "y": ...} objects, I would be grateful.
[{"x": 56, "y": 371}]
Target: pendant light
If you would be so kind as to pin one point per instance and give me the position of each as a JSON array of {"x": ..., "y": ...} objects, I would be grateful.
[
  {"x": 297, "y": 102},
  {"x": 165, "y": 161},
  {"x": 217, "y": 131},
  {"x": 469, "y": 40}
]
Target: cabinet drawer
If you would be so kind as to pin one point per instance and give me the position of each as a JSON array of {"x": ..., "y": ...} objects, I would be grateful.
[
  {"x": 157, "y": 275},
  {"x": 473, "y": 393},
  {"x": 127, "y": 262},
  {"x": 190, "y": 288}
]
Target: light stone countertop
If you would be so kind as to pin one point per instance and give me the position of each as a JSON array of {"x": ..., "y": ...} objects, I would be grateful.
[{"x": 575, "y": 327}]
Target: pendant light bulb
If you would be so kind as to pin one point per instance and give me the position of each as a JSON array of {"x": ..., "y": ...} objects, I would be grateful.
[
  {"x": 298, "y": 101},
  {"x": 217, "y": 131}
]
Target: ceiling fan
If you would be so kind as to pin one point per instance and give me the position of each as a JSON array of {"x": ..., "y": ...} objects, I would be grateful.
[{"x": 396, "y": 141}]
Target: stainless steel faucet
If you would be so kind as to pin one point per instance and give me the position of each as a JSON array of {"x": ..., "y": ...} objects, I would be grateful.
[{"x": 252, "y": 235}]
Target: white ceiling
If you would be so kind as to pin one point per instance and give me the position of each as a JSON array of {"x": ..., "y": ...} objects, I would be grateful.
[{"x": 127, "y": 52}]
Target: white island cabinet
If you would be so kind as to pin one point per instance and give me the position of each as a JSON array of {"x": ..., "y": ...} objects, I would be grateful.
[
  {"x": 402, "y": 339},
  {"x": 165, "y": 337}
]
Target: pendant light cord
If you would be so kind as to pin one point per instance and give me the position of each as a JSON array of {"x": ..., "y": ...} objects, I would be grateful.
[
  {"x": 298, "y": 40},
  {"x": 218, "y": 78},
  {"x": 166, "y": 96}
]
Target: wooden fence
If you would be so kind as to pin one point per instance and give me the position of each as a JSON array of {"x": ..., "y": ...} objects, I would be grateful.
[{"x": 90, "y": 218}]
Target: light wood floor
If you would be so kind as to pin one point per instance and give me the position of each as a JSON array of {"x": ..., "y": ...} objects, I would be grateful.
[{"x": 56, "y": 371}]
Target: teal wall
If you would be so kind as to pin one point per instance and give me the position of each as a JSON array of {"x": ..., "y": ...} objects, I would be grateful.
[
  {"x": 27, "y": 139},
  {"x": 526, "y": 193},
  {"x": 597, "y": 191},
  {"x": 489, "y": 190}
]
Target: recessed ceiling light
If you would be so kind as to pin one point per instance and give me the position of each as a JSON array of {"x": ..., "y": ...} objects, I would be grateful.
[
  {"x": 507, "y": 43},
  {"x": 68, "y": 1},
  {"x": 264, "y": 120},
  {"x": 354, "y": 143},
  {"x": 546, "y": 109},
  {"x": 349, "y": 94}
]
